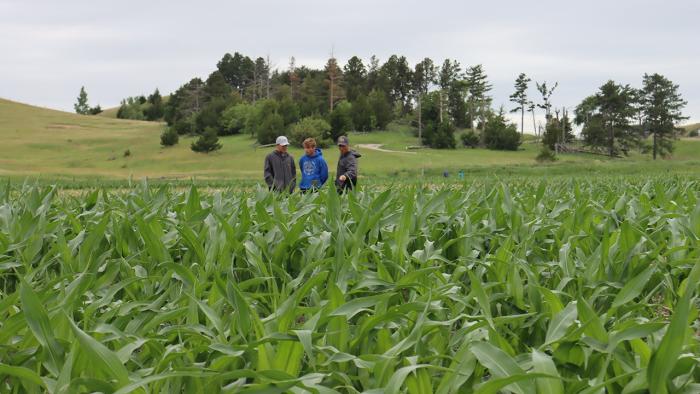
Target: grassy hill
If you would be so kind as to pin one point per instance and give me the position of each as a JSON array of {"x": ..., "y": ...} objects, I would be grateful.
[
  {"x": 691, "y": 127},
  {"x": 109, "y": 113},
  {"x": 112, "y": 112},
  {"x": 38, "y": 141}
]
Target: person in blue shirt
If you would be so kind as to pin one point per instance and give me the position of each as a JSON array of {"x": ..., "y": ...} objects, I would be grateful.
[{"x": 314, "y": 170}]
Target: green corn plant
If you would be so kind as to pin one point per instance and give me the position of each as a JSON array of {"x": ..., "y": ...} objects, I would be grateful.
[{"x": 512, "y": 286}]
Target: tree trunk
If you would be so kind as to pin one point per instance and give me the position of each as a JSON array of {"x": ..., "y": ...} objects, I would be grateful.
[
  {"x": 471, "y": 115},
  {"x": 482, "y": 138},
  {"x": 522, "y": 120},
  {"x": 441, "y": 106},
  {"x": 654, "y": 146},
  {"x": 534, "y": 125},
  {"x": 612, "y": 140},
  {"x": 267, "y": 77},
  {"x": 331, "y": 95},
  {"x": 420, "y": 122}
]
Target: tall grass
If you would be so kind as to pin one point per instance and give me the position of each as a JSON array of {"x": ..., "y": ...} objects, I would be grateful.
[{"x": 518, "y": 286}]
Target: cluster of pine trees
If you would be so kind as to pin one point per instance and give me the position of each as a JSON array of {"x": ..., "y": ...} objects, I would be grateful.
[
  {"x": 250, "y": 96},
  {"x": 142, "y": 107},
  {"x": 619, "y": 118},
  {"x": 246, "y": 96}
]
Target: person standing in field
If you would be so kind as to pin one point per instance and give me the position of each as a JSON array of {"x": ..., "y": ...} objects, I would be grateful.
[
  {"x": 346, "y": 174},
  {"x": 313, "y": 167},
  {"x": 280, "y": 170}
]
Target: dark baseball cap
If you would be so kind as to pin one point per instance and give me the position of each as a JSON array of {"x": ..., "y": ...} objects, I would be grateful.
[{"x": 343, "y": 140}]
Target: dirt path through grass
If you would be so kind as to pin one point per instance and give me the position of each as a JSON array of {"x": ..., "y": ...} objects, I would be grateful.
[{"x": 378, "y": 147}]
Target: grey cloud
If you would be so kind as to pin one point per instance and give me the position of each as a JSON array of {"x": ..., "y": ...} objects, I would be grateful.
[{"x": 119, "y": 49}]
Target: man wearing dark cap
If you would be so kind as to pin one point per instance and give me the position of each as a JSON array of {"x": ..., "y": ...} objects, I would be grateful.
[
  {"x": 280, "y": 171},
  {"x": 346, "y": 174}
]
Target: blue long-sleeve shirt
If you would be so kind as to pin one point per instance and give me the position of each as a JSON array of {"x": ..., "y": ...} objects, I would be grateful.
[{"x": 314, "y": 171}]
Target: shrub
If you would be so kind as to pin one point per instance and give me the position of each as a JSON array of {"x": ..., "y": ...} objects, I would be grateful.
[
  {"x": 210, "y": 115},
  {"x": 270, "y": 128},
  {"x": 439, "y": 135},
  {"x": 207, "y": 142},
  {"x": 169, "y": 137},
  {"x": 499, "y": 135},
  {"x": 184, "y": 125},
  {"x": 553, "y": 132},
  {"x": 470, "y": 139},
  {"x": 260, "y": 113},
  {"x": 234, "y": 118},
  {"x": 131, "y": 108},
  {"x": 311, "y": 127},
  {"x": 127, "y": 153},
  {"x": 546, "y": 155},
  {"x": 693, "y": 133}
]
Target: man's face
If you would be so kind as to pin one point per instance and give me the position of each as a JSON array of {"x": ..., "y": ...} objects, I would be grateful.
[
  {"x": 343, "y": 149},
  {"x": 310, "y": 150},
  {"x": 282, "y": 148}
]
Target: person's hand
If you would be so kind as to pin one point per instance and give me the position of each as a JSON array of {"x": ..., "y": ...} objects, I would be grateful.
[{"x": 343, "y": 178}]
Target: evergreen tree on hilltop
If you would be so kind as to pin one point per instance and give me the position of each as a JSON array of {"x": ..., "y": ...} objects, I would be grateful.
[
  {"x": 519, "y": 97},
  {"x": 81, "y": 106}
]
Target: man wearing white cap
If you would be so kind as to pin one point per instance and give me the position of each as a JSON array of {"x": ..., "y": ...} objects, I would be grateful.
[{"x": 280, "y": 170}]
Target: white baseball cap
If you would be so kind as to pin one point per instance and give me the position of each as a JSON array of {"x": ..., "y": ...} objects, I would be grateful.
[{"x": 282, "y": 140}]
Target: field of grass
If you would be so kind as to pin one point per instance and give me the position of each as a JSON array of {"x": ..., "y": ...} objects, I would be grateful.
[
  {"x": 525, "y": 286},
  {"x": 57, "y": 145},
  {"x": 109, "y": 112},
  {"x": 691, "y": 127}
]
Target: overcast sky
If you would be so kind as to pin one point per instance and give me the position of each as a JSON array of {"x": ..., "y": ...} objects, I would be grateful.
[{"x": 48, "y": 49}]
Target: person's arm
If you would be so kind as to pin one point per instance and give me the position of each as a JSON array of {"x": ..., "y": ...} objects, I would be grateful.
[
  {"x": 269, "y": 173},
  {"x": 294, "y": 175},
  {"x": 323, "y": 172},
  {"x": 351, "y": 171},
  {"x": 301, "y": 175}
]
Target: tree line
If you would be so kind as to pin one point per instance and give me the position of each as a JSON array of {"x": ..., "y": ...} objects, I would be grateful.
[
  {"x": 619, "y": 118},
  {"x": 251, "y": 96}
]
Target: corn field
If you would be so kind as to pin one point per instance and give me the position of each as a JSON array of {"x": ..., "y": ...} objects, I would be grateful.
[{"x": 517, "y": 287}]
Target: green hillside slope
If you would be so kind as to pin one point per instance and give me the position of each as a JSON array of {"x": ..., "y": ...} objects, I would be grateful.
[{"x": 39, "y": 141}]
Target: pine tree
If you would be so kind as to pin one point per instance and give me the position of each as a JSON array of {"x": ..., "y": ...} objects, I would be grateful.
[
  {"x": 82, "y": 107},
  {"x": 519, "y": 97},
  {"x": 169, "y": 137},
  {"x": 362, "y": 114},
  {"x": 381, "y": 109},
  {"x": 354, "y": 78},
  {"x": 423, "y": 75},
  {"x": 341, "y": 120},
  {"x": 207, "y": 142},
  {"x": 616, "y": 111},
  {"x": 293, "y": 79},
  {"x": 334, "y": 77},
  {"x": 662, "y": 106},
  {"x": 155, "y": 108},
  {"x": 238, "y": 71},
  {"x": 531, "y": 109},
  {"x": 397, "y": 73},
  {"x": 447, "y": 78},
  {"x": 478, "y": 101},
  {"x": 557, "y": 131},
  {"x": 499, "y": 134},
  {"x": 546, "y": 98},
  {"x": 438, "y": 134}
]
